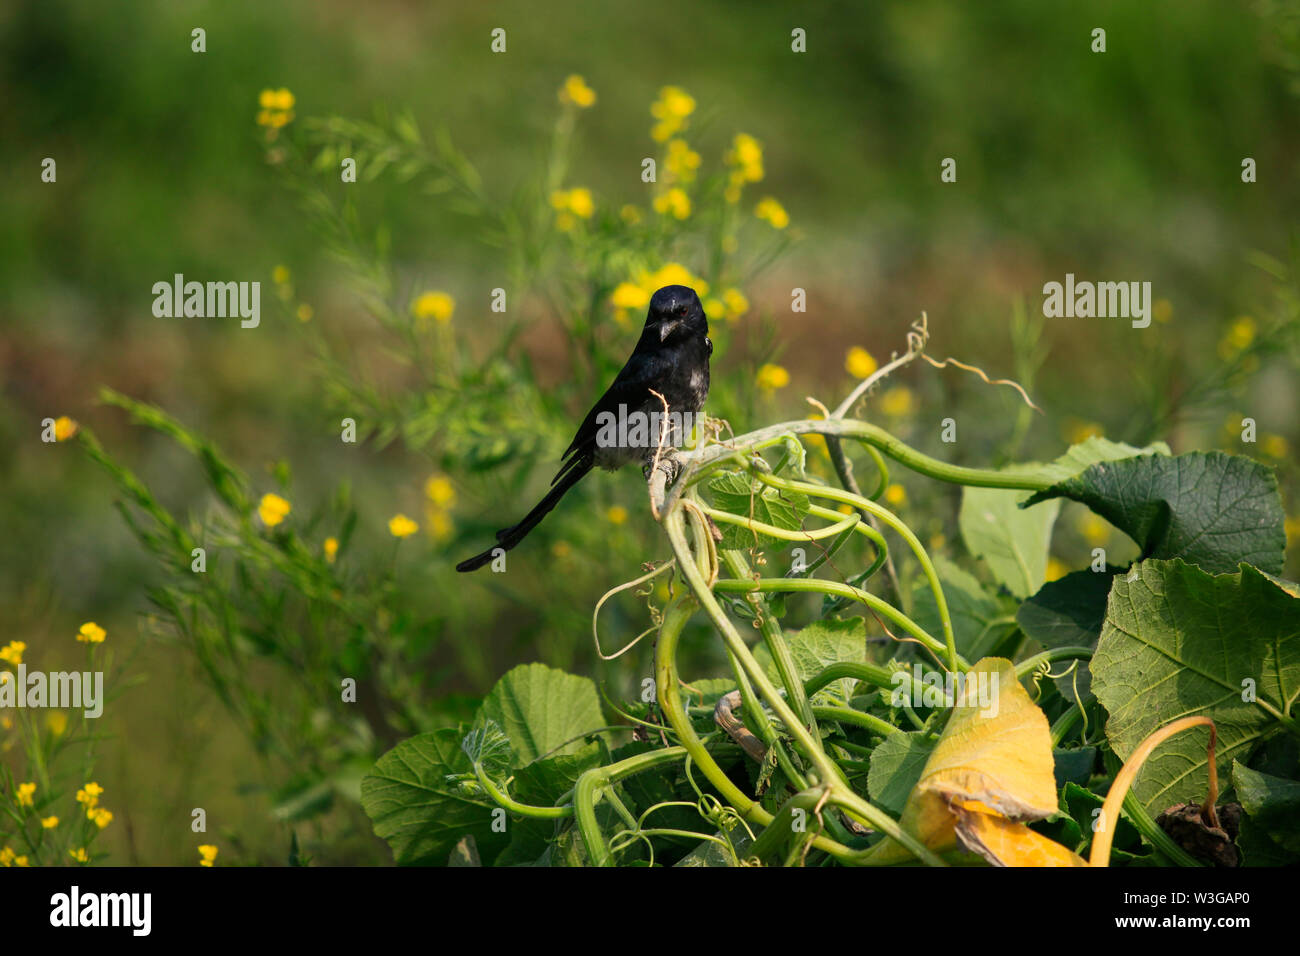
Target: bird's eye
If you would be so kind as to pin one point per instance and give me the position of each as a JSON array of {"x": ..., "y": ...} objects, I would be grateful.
[{"x": 680, "y": 310}]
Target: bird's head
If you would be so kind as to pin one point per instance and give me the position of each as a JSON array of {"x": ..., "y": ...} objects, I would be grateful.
[{"x": 674, "y": 310}]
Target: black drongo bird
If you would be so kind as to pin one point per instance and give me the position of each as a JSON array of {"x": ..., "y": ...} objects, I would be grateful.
[{"x": 671, "y": 358}]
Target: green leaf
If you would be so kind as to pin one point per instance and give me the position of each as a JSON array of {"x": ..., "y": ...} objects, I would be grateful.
[
  {"x": 973, "y": 610},
  {"x": 820, "y": 645},
  {"x": 489, "y": 746},
  {"x": 1208, "y": 508},
  {"x": 1095, "y": 449},
  {"x": 738, "y": 494},
  {"x": 1177, "y": 642},
  {"x": 1012, "y": 540},
  {"x": 417, "y": 805},
  {"x": 1272, "y": 802},
  {"x": 540, "y": 708},
  {"x": 1069, "y": 612},
  {"x": 896, "y": 767}
]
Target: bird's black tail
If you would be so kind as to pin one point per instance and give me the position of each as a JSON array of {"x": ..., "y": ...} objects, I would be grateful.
[{"x": 572, "y": 472}]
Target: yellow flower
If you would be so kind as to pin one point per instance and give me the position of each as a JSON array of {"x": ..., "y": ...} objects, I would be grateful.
[
  {"x": 80, "y": 855},
  {"x": 671, "y": 110},
  {"x": 25, "y": 793},
  {"x": 57, "y": 722},
  {"x": 1163, "y": 310},
  {"x": 7, "y": 856},
  {"x": 435, "y": 305},
  {"x": 674, "y": 201},
  {"x": 21, "y": 861},
  {"x": 1242, "y": 331},
  {"x": 896, "y": 495},
  {"x": 897, "y": 401},
  {"x": 439, "y": 490},
  {"x": 13, "y": 652},
  {"x": 561, "y": 549},
  {"x": 89, "y": 794},
  {"x": 576, "y": 92},
  {"x": 400, "y": 526},
  {"x": 630, "y": 214},
  {"x": 440, "y": 524},
  {"x": 845, "y": 509},
  {"x": 735, "y": 302},
  {"x": 1077, "y": 431},
  {"x": 100, "y": 816},
  {"x": 772, "y": 211},
  {"x": 674, "y": 274},
  {"x": 207, "y": 854},
  {"x": 859, "y": 362},
  {"x": 273, "y": 509},
  {"x": 91, "y": 633},
  {"x": 616, "y": 514},
  {"x": 746, "y": 158},
  {"x": 275, "y": 108},
  {"x": 331, "y": 549},
  {"x": 49, "y": 823},
  {"x": 1094, "y": 529},
  {"x": 1275, "y": 446},
  {"x": 64, "y": 428},
  {"x": 305, "y": 312},
  {"x": 280, "y": 275},
  {"x": 1056, "y": 569},
  {"x": 581, "y": 203},
  {"x": 771, "y": 377},
  {"x": 628, "y": 295},
  {"x": 681, "y": 161}
]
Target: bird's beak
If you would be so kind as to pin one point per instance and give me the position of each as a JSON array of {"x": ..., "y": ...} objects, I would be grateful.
[{"x": 667, "y": 329}]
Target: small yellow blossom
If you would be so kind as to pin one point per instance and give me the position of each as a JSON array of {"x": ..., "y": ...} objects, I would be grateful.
[
  {"x": 616, "y": 514},
  {"x": 64, "y": 428},
  {"x": 1094, "y": 529},
  {"x": 13, "y": 652},
  {"x": 207, "y": 854},
  {"x": 576, "y": 92},
  {"x": 769, "y": 210},
  {"x": 400, "y": 526},
  {"x": 629, "y": 295},
  {"x": 21, "y": 861},
  {"x": 100, "y": 816},
  {"x": 1056, "y": 569},
  {"x": 771, "y": 377},
  {"x": 630, "y": 214},
  {"x": 331, "y": 549},
  {"x": 845, "y": 509},
  {"x": 674, "y": 202},
  {"x": 435, "y": 304},
  {"x": 581, "y": 203},
  {"x": 280, "y": 275},
  {"x": 305, "y": 312},
  {"x": 897, "y": 401},
  {"x": 49, "y": 823},
  {"x": 671, "y": 110},
  {"x": 91, "y": 633},
  {"x": 561, "y": 549},
  {"x": 859, "y": 362},
  {"x": 1162, "y": 310},
  {"x": 80, "y": 855},
  {"x": 439, "y": 490},
  {"x": 1274, "y": 446},
  {"x": 25, "y": 793},
  {"x": 276, "y": 108},
  {"x": 273, "y": 509},
  {"x": 7, "y": 856},
  {"x": 89, "y": 795},
  {"x": 896, "y": 495},
  {"x": 736, "y": 304},
  {"x": 681, "y": 162},
  {"x": 57, "y": 722},
  {"x": 1077, "y": 431},
  {"x": 746, "y": 160}
]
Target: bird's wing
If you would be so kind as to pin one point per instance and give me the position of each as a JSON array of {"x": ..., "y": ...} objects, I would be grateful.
[{"x": 631, "y": 387}]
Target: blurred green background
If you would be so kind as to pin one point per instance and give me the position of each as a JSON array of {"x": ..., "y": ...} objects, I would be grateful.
[{"x": 1124, "y": 165}]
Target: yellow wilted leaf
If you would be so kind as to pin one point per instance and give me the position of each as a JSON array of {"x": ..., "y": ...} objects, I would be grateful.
[
  {"x": 1004, "y": 842},
  {"x": 993, "y": 759}
]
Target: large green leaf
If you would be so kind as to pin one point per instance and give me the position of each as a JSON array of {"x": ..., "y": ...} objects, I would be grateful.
[
  {"x": 416, "y": 803},
  {"x": 1096, "y": 449},
  {"x": 896, "y": 767},
  {"x": 1272, "y": 802},
  {"x": 1208, "y": 508},
  {"x": 1178, "y": 641},
  {"x": 737, "y": 493},
  {"x": 541, "y": 708},
  {"x": 980, "y": 620},
  {"x": 1069, "y": 612},
  {"x": 1012, "y": 540}
]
